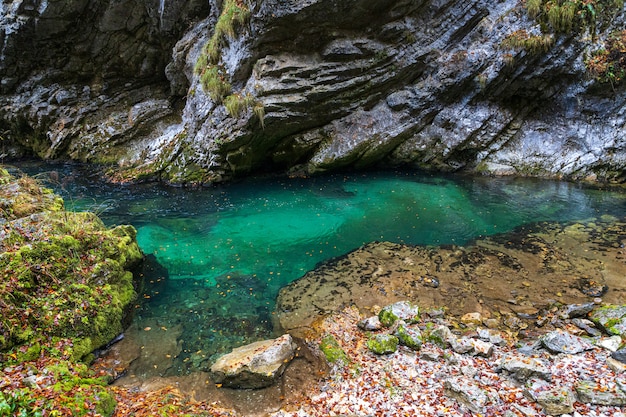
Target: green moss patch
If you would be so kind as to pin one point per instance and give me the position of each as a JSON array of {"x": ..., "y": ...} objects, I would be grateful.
[
  {"x": 332, "y": 351},
  {"x": 48, "y": 382},
  {"x": 383, "y": 344},
  {"x": 63, "y": 274}
]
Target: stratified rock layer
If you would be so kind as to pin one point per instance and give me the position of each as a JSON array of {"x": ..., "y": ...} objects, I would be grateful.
[{"x": 335, "y": 84}]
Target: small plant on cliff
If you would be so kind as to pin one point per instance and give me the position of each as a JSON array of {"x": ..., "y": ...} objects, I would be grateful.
[
  {"x": 535, "y": 44},
  {"x": 608, "y": 65},
  {"x": 570, "y": 15},
  {"x": 573, "y": 16},
  {"x": 214, "y": 82},
  {"x": 235, "y": 14}
]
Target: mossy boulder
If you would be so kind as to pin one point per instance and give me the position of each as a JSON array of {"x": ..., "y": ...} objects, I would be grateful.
[
  {"x": 383, "y": 344},
  {"x": 332, "y": 351},
  {"x": 409, "y": 337},
  {"x": 402, "y": 310},
  {"x": 62, "y": 274},
  {"x": 611, "y": 318},
  {"x": 441, "y": 336}
]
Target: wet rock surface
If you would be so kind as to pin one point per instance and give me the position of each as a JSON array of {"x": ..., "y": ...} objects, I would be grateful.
[{"x": 515, "y": 279}]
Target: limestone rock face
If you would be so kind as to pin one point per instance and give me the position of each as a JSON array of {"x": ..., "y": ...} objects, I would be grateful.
[
  {"x": 336, "y": 84},
  {"x": 256, "y": 365}
]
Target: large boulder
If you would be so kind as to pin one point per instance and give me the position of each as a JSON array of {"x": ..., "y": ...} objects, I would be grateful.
[{"x": 256, "y": 365}]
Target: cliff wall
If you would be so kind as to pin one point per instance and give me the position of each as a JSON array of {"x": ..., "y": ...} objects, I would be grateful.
[{"x": 196, "y": 92}]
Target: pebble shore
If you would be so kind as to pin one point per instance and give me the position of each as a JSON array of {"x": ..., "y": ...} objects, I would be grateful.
[{"x": 437, "y": 381}]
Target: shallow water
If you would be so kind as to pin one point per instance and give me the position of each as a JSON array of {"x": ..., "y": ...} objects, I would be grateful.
[{"x": 229, "y": 249}]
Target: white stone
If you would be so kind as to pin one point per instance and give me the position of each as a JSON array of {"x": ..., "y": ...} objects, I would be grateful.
[
  {"x": 610, "y": 343},
  {"x": 255, "y": 365}
]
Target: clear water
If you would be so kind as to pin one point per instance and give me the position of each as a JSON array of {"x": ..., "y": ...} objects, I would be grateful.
[{"x": 229, "y": 249}]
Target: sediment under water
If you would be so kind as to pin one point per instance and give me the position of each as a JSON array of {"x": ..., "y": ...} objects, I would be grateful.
[{"x": 226, "y": 250}]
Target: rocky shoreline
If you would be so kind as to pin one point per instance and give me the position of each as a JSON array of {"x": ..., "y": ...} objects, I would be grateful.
[
  {"x": 556, "y": 373},
  {"x": 504, "y": 277},
  {"x": 508, "y": 326}
]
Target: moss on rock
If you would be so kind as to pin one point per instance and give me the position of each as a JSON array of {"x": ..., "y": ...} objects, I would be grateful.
[
  {"x": 411, "y": 338},
  {"x": 62, "y": 274},
  {"x": 402, "y": 310},
  {"x": 383, "y": 344},
  {"x": 611, "y": 318},
  {"x": 332, "y": 351}
]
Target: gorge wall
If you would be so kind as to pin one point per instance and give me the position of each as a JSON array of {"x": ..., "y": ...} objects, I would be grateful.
[{"x": 190, "y": 91}]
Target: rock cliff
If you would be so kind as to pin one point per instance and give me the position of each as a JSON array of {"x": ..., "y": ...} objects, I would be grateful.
[{"x": 197, "y": 92}]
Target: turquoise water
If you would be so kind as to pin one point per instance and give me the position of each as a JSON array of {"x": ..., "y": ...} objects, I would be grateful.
[{"x": 227, "y": 250}]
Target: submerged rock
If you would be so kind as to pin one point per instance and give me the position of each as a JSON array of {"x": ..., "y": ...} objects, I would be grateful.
[
  {"x": 532, "y": 261},
  {"x": 256, "y": 365}
]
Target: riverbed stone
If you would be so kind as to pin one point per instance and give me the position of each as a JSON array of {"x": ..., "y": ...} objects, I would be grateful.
[
  {"x": 402, "y": 310},
  {"x": 619, "y": 355},
  {"x": 474, "y": 318},
  {"x": 370, "y": 324},
  {"x": 523, "y": 367},
  {"x": 571, "y": 311},
  {"x": 256, "y": 365},
  {"x": 482, "y": 348},
  {"x": 611, "y": 344},
  {"x": 593, "y": 392},
  {"x": 556, "y": 400},
  {"x": 467, "y": 393},
  {"x": 611, "y": 318},
  {"x": 383, "y": 344},
  {"x": 615, "y": 365},
  {"x": 492, "y": 336},
  {"x": 409, "y": 337},
  {"x": 442, "y": 336},
  {"x": 559, "y": 341},
  {"x": 461, "y": 345},
  {"x": 587, "y": 326}
]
